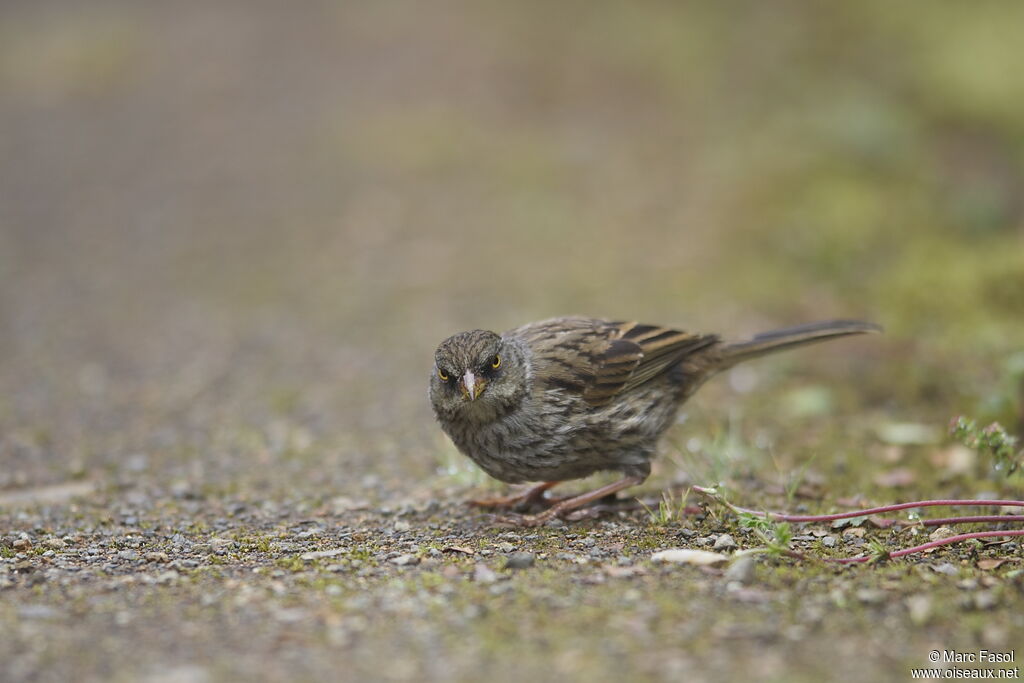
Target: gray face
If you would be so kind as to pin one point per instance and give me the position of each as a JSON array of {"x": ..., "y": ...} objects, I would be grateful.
[{"x": 477, "y": 376}]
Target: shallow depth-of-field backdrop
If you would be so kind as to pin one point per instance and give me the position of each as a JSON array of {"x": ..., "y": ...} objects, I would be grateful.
[{"x": 232, "y": 234}]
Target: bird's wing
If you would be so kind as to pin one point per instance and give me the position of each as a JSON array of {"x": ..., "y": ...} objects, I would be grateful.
[
  {"x": 601, "y": 359},
  {"x": 636, "y": 354}
]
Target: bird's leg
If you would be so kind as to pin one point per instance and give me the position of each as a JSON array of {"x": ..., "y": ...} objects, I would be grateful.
[
  {"x": 524, "y": 498},
  {"x": 570, "y": 504}
]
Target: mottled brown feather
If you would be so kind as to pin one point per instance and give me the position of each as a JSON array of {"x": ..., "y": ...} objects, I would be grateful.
[
  {"x": 636, "y": 354},
  {"x": 574, "y": 396},
  {"x": 608, "y": 358}
]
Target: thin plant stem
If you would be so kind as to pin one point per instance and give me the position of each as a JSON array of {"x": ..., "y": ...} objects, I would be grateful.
[
  {"x": 928, "y": 546},
  {"x": 783, "y": 517},
  {"x": 976, "y": 519}
]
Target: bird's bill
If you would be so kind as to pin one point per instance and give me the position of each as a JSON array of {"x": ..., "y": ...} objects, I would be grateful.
[{"x": 471, "y": 385}]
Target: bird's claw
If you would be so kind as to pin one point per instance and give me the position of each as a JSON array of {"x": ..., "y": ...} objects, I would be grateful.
[{"x": 526, "y": 521}]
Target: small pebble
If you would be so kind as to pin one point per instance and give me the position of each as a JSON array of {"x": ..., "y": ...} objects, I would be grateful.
[
  {"x": 871, "y": 596},
  {"x": 920, "y": 609},
  {"x": 320, "y": 554},
  {"x": 37, "y": 612},
  {"x": 129, "y": 555},
  {"x": 985, "y": 600},
  {"x": 945, "y": 568},
  {"x": 520, "y": 561},
  {"x": 689, "y": 556},
  {"x": 221, "y": 545},
  {"x": 484, "y": 574},
  {"x": 741, "y": 570},
  {"x": 404, "y": 560},
  {"x": 724, "y": 542}
]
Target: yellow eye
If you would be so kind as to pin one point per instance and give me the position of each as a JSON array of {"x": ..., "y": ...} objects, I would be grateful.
[
  {"x": 442, "y": 374},
  {"x": 496, "y": 363}
]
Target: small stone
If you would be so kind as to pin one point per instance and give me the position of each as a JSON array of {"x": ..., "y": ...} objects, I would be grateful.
[
  {"x": 129, "y": 555},
  {"x": 941, "y": 533},
  {"x": 506, "y": 547},
  {"x": 38, "y": 612},
  {"x": 985, "y": 600},
  {"x": 157, "y": 556},
  {"x": 484, "y": 574},
  {"x": 828, "y": 541},
  {"x": 945, "y": 568},
  {"x": 404, "y": 560},
  {"x": 871, "y": 596},
  {"x": 520, "y": 561},
  {"x": 320, "y": 554},
  {"x": 920, "y": 609},
  {"x": 343, "y": 504},
  {"x": 724, "y": 542},
  {"x": 994, "y": 636},
  {"x": 221, "y": 545},
  {"x": 689, "y": 556},
  {"x": 741, "y": 570},
  {"x": 169, "y": 576}
]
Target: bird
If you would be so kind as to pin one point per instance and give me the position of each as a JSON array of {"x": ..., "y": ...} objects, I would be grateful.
[{"x": 564, "y": 398}]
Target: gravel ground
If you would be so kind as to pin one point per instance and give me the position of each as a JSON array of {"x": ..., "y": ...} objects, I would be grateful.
[
  {"x": 148, "y": 585},
  {"x": 232, "y": 234}
]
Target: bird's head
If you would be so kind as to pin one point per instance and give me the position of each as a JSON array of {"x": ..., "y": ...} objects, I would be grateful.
[{"x": 478, "y": 375}]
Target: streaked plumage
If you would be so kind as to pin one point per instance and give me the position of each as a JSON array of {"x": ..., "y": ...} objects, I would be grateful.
[{"x": 565, "y": 398}]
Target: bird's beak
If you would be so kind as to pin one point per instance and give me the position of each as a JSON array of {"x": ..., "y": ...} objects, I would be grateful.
[{"x": 471, "y": 385}]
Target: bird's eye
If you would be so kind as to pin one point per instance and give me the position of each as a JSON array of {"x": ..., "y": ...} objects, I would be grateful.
[
  {"x": 496, "y": 362},
  {"x": 442, "y": 374}
]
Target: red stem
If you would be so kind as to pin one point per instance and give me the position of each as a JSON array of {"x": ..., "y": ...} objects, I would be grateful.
[
  {"x": 978, "y": 519},
  {"x": 928, "y": 546},
  {"x": 885, "y": 508}
]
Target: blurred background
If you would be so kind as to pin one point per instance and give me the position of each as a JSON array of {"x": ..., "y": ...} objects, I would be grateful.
[{"x": 232, "y": 233}]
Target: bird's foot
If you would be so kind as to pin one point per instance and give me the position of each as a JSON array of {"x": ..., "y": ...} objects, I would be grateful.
[
  {"x": 521, "y": 500},
  {"x": 513, "y": 519},
  {"x": 569, "y": 507}
]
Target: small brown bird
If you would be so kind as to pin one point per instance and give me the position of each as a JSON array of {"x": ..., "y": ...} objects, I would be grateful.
[{"x": 565, "y": 398}]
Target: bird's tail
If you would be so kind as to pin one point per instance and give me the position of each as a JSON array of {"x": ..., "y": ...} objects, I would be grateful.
[{"x": 731, "y": 353}]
